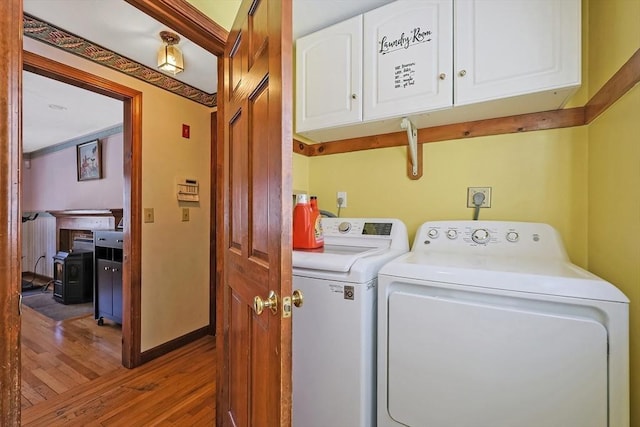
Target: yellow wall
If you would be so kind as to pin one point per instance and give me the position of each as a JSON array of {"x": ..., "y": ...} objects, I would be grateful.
[
  {"x": 300, "y": 173},
  {"x": 535, "y": 176},
  {"x": 222, "y": 11},
  {"x": 175, "y": 254},
  {"x": 614, "y": 213},
  {"x": 614, "y": 168}
]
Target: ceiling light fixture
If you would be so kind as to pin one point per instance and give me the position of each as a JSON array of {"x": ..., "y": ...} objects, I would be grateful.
[{"x": 169, "y": 55}]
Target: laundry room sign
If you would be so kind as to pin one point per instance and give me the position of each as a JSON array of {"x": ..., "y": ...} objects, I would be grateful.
[
  {"x": 404, "y": 41},
  {"x": 405, "y": 56}
]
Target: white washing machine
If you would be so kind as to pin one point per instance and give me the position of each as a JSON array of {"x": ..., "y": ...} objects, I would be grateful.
[
  {"x": 488, "y": 324},
  {"x": 334, "y": 332}
]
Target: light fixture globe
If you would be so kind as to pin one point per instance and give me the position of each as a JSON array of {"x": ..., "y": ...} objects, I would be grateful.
[{"x": 169, "y": 55}]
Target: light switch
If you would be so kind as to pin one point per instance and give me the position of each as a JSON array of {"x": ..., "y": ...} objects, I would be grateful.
[
  {"x": 148, "y": 214},
  {"x": 185, "y": 214}
]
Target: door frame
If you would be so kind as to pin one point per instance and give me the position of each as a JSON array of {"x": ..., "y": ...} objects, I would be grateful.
[
  {"x": 132, "y": 191},
  {"x": 10, "y": 211}
]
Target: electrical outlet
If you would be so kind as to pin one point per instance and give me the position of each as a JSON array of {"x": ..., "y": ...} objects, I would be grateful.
[
  {"x": 487, "y": 196},
  {"x": 185, "y": 214},
  {"x": 341, "y": 203}
]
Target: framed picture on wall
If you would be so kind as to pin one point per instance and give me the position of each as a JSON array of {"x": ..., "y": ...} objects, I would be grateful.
[{"x": 89, "y": 157}]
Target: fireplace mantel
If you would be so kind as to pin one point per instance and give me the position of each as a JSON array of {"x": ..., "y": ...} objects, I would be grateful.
[{"x": 71, "y": 220}]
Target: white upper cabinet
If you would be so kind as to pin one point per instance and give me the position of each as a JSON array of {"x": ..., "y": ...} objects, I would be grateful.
[
  {"x": 329, "y": 76},
  {"x": 437, "y": 62},
  {"x": 506, "y": 48},
  {"x": 407, "y": 58}
]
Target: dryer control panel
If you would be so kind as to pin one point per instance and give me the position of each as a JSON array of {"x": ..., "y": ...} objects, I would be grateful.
[{"x": 507, "y": 238}]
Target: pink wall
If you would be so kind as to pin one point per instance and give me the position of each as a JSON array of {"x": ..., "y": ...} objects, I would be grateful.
[{"x": 51, "y": 182}]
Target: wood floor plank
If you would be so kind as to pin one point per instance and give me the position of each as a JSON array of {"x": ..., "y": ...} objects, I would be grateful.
[
  {"x": 78, "y": 366},
  {"x": 72, "y": 376}
]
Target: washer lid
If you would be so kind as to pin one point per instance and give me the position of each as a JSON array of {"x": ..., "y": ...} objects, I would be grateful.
[
  {"x": 333, "y": 257},
  {"x": 347, "y": 240},
  {"x": 532, "y": 275}
]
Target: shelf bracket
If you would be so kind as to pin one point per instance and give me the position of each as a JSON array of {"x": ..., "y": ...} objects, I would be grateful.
[{"x": 415, "y": 151}]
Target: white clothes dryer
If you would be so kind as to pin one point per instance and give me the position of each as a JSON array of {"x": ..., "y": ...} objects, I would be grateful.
[
  {"x": 488, "y": 323},
  {"x": 334, "y": 332}
]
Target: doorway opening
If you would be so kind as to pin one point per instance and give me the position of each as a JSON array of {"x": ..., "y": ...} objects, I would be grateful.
[{"x": 132, "y": 166}]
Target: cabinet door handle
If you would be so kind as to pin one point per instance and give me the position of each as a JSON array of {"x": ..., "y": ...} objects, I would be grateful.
[
  {"x": 119, "y": 241},
  {"x": 113, "y": 270},
  {"x": 462, "y": 73},
  {"x": 101, "y": 238},
  {"x": 353, "y": 96},
  {"x": 442, "y": 76},
  {"x": 106, "y": 269}
]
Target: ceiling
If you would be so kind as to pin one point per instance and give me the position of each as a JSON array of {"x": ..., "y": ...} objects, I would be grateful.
[{"x": 55, "y": 112}]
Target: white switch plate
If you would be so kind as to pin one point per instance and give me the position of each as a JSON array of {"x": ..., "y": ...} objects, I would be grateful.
[
  {"x": 148, "y": 214},
  {"x": 487, "y": 196},
  {"x": 341, "y": 195}
]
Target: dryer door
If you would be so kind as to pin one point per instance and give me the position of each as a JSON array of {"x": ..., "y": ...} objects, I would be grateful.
[{"x": 469, "y": 359}]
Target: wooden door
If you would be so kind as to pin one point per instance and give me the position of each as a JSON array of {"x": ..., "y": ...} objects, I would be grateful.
[
  {"x": 10, "y": 240},
  {"x": 254, "y": 224}
]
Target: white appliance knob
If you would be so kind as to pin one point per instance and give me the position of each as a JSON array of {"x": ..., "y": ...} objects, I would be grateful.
[
  {"x": 512, "y": 236},
  {"x": 433, "y": 233},
  {"x": 452, "y": 234},
  {"x": 344, "y": 227},
  {"x": 481, "y": 236}
]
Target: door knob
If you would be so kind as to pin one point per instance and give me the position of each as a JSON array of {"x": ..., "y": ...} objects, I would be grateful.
[
  {"x": 271, "y": 303},
  {"x": 297, "y": 298}
]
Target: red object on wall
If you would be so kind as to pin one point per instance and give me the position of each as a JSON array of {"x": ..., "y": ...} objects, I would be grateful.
[{"x": 186, "y": 129}]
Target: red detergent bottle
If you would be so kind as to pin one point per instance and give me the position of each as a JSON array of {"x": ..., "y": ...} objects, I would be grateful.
[
  {"x": 304, "y": 220},
  {"x": 317, "y": 223}
]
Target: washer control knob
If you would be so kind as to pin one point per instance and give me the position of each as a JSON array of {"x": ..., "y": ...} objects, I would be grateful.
[
  {"x": 512, "y": 236},
  {"x": 344, "y": 227},
  {"x": 452, "y": 234},
  {"x": 480, "y": 236},
  {"x": 433, "y": 233}
]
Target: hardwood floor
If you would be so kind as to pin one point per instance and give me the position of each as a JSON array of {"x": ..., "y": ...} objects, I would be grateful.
[{"x": 72, "y": 376}]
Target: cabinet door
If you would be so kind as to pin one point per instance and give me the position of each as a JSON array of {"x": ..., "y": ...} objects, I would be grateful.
[
  {"x": 407, "y": 58},
  {"x": 104, "y": 288},
  {"x": 506, "y": 48},
  {"x": 116, "y": 281},
  {"x": 329, "y": 76}
]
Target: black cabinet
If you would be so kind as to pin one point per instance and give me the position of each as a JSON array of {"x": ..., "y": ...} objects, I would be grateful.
[{"x": 108, "y": 275}]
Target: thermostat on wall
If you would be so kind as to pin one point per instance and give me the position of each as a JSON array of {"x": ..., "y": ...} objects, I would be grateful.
[{"x": 188, "y": 190}]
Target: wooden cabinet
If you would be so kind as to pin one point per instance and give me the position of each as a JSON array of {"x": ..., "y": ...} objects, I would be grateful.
[
  {"x": 438, "y": 62},
  {"x": 108, "y": 275},
  {"x": 329, "y": 76}
]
